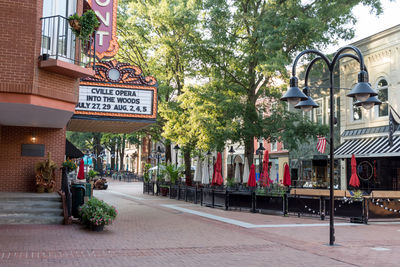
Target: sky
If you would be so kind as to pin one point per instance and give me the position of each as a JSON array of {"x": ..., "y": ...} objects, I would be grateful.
[{"x": 369, "y": 24}]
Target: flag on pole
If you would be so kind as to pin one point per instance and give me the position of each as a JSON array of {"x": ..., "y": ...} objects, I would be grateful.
[
  {"x": 321, "y": 145},
  {"x": 393, "y": 125}
]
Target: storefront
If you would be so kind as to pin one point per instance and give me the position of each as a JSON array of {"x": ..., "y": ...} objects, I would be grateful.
[{"x": 378, "y": 163}]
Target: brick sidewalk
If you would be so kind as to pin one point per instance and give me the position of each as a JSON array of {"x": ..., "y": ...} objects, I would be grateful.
[{"x": 149, "y": 234}]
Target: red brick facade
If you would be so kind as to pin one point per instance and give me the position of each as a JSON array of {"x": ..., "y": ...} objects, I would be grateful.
[
  {"x": 17, "y": 173},
  {"x": 20, "y": 47}
]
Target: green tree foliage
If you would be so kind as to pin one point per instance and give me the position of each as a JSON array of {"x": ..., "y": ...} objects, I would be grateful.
[
  {"x": 235, "y": 52},
  {"x": 248, "y": 44},
  {"x": 159, "y": 37}
]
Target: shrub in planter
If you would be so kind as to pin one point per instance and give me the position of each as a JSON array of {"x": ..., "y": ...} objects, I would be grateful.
[
  {"x": 96, "y": 214},
  {"x": 146, "y": 175}
]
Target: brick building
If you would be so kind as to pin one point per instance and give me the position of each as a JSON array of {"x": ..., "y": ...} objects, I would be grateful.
[{"x": 39, "y": 86}]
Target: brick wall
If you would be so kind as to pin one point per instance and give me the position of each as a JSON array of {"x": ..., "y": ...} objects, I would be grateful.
[
  {"x": 20, "y": 46},
  {"x": 17, "y": 173}
]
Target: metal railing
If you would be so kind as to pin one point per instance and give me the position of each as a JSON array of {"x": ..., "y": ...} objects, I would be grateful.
[{"x": 59, "y": 42}]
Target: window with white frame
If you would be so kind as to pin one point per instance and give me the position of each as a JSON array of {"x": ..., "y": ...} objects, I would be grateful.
[
  {"x": 274, "y": 146},
  {"x": 319, "y": 112},
  {"x": 383, "y": 90}
]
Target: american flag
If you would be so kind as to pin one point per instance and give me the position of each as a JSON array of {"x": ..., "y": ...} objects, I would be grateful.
[{"x": 321, "y": 145}]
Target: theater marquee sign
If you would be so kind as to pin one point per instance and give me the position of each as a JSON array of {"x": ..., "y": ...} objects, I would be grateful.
[
  {"x": 114, "y": 100},
  {"x": 118, "y": 98}
]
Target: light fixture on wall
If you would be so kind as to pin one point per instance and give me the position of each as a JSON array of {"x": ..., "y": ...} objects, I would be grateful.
[{"x": 33, "y": 138}]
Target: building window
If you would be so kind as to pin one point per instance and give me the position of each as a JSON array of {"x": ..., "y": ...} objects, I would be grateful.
[
  {"x": 382, "y": 88},
  {"x": 57, "y": 38},
  {"x": 274, "y": 146},
  {"x": 319, "y": 114}
]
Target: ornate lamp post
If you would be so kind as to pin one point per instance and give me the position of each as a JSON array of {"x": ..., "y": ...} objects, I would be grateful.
[
  {"x": 362, "y": 91},
  {"x": 231, "y": 151},
  {"x": 260, "y": 152},
  {"x": 176, "y": 148}
]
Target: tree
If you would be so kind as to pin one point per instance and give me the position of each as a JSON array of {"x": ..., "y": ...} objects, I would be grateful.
[
  {"x": 248, "y": 44},
  {"x": 158, "y": 36}
]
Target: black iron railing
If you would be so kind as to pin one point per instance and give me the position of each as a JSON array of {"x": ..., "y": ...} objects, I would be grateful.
[{"x": 59, "y": 42}]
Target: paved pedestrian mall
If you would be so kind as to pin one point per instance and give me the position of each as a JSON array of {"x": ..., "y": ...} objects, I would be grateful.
[{"x": 157, "y": 231}]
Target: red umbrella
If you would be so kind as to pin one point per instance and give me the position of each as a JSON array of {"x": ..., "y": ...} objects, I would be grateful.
[
  {"x": 286, "y": 176},
  {"x": 218, "y": 180},
  {"x": 354, "y": 181},
  {"x": 252, "y": 176},
  {"x": 81, "y": 172},
  {"x": 266, "y": 181}
]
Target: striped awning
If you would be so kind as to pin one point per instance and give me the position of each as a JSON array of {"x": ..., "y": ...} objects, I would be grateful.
[{"x": 369, "y": 147}]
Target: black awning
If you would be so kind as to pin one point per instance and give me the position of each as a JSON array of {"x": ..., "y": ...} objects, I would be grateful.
[
  {"x": 72, "y": 151},
  {"x": 373, "y": 147}
]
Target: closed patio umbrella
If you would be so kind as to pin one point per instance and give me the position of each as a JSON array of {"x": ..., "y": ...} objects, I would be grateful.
[
  {"x": 237, "y": 173},
  {"x": 205, "y": 176},
  {"x": 354, "y": 181},
  {"x": 252, "y": 176},
  {"x": 286, "y": 175},
  {"x": 218, "y": 180},
  {"x": 197, "y": 172},
  {"x": 246, "y": 171},
  {"x": 81, "y": 172},
  {"x": 266, "y": 181}
]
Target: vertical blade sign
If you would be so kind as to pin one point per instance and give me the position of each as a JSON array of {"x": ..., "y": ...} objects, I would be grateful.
[{"x": 106, "y": 36}]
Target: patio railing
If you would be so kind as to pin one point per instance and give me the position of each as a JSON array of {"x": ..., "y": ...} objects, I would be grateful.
[
  {"x": 262, "y": 201},
  {"x": 59, "y": 42}
]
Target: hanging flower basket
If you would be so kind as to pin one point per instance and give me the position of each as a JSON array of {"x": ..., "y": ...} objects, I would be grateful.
[{"x": 74, "y": 23}]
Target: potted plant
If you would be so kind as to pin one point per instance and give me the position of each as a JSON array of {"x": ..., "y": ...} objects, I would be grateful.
[
  {"x": 45, "y": 175},
  {"x": 69, "y": 165},
  {"x": 96, "y": 214},
  {"x": 90, "y": 178},
  {"x": 171, "y": 173},
  {"x": 146, "y": 173},
  {"x": 84, "y": 26}
]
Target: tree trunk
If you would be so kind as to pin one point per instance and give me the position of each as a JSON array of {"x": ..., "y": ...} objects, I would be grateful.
[
  {"x": 188, "y": 166},
  {"x": 112, "y": 151},
  {"x": 97, "y": 151},
  {"x": 122, "y": 152},
  {"x": 168, "y": 155},
  {"x": 250, "y": 116}
]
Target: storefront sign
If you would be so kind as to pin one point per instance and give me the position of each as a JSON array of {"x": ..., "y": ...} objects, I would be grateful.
[
  {"x": 115, "y": 100},
  {"x": 106, "y": 36}
]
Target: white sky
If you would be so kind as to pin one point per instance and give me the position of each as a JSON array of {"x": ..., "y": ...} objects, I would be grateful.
[{"x": 369, "y": 24}]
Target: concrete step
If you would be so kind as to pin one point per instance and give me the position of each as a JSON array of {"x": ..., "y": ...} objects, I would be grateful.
[
  {"x": 31, "y": 204},
  {"x": 4, "y": 210},
  {"x": 32, "y": 219},
  {"x": 18, "y": 196},
  {"x": 30, "y": 208}
]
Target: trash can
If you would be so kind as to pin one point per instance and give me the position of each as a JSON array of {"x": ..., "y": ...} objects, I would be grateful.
[{"x": 78, "y": 194}]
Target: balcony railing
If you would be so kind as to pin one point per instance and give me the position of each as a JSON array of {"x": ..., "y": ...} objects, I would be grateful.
[{"x": 60, "y": 43}]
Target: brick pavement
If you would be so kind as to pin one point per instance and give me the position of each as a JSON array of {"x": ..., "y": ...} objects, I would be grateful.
[{"x": 149, "y": 234}]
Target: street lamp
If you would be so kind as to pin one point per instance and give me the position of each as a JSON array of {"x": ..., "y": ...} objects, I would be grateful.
[
  {"x": 231, "y": 151},
  {"x": 176, "y": 148},
  {"x": 362, "y": 91},
  {"x": 158, "y": 152},
  {"x": 259, "y": 152}
]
